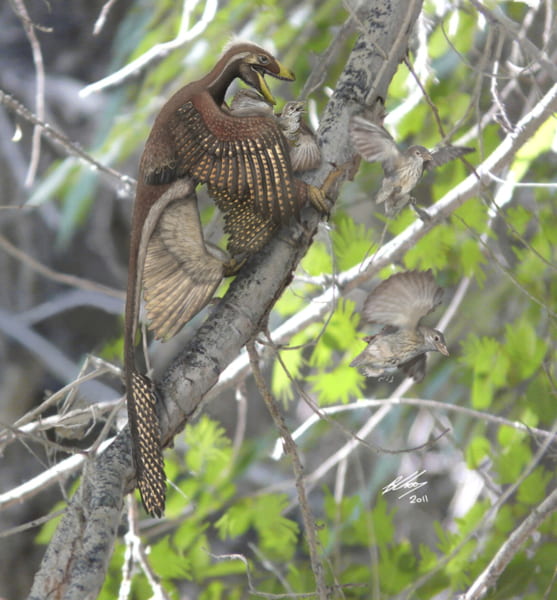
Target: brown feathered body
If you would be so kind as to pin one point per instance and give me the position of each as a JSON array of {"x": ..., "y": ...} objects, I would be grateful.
[
  {"x": 247, "y": 229},
  {"x": 246, "y": 165},
  {"x": 402, "y": 169},
  {"x": 399, "y": 304}
]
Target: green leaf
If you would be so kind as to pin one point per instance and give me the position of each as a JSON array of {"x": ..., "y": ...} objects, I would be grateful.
[
  {"x": 236, "y": 520},
  {"x": 208, "y": 448},
  {"x": 278, "y": 534},
  {"x": 511, "y": 461},
  {"x": 525, "y": 348},
  {"x": 533, "y": 489},
  {"x": 317, "y": 260},
  {"x": 490, "y": 368},
  {"x": 351, "y": 241},
  {"x": 477, "y": 451},
  {"x": 340, "y": 384},
  {"x": 281, "y": 384},
  {"x": 168, "y": 563}
]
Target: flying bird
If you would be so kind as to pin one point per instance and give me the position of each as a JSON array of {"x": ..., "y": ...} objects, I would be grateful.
[
  {"x": 403, "y": 169},
  {"x": 399, "y": 304}
]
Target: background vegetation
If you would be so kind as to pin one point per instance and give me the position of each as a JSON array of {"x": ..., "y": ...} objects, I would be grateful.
[{"x": 479, "y": 427}]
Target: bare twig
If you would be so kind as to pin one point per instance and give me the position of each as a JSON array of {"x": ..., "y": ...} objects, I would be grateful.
[
  {"x": 159, "y": 51},
  {"x": 71, "y": 280},
  {"x": 292, "y": 452},
  {"x": 29, "y": 28},
  {"x": 126, "y": 184},
  {"x": 101, "y": 19}
]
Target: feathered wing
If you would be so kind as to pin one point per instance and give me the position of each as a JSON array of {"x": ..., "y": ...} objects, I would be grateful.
[
  {"x": 305, "y": 154},
  {"x": 247, "y": 230},
  {"x": 246, "y": 157},
  {"x": 403, "y": 299},
  {"x": 445, "y": 154},
  {"x": 373, "y": 142},
  {"x": 180, "y": 276}
]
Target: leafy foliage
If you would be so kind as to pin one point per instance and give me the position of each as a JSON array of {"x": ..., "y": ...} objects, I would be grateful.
[{"x": 497, "y": 250}]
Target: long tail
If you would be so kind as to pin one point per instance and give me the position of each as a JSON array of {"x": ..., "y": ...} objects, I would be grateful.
[{"x": 146, "y": 443}]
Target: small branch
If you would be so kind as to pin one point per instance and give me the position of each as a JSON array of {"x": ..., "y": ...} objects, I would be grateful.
[
  {"x": 126, "y": 183},
  {"x": 489, "y": 576},
  {"x": 56, "y": 473},
  {"x": 29, "y": 28},
  {"x": 71, "y": 280},
  {"x": 53, "y": 359},
  {"x": 366, "y": 403},
  {"x": 292, "y": 451},
  {"x": 159, "y": 51},
  {"x": 101, "y": 19},
  {"x": 138, "y": 551},
  {"x": 497, "y": 17},
  {"x": 514, "y": 541}
]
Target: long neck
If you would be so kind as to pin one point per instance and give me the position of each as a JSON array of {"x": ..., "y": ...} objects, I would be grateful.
[{"x": 222, "y": 75}]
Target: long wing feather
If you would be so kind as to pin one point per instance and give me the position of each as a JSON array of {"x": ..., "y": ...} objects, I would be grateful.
[
  {"x": 180, "y": 276},
  {"x": 246, "y": 156},
  {"x": 373, "y": 142},
  {"x": 305, "y": 154},
  {"x": 445, "y": 154},
  {"x": 403, "y": 299}
]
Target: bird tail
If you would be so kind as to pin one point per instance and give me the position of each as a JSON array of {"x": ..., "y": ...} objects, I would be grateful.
[{"x": 146, "y": 444}]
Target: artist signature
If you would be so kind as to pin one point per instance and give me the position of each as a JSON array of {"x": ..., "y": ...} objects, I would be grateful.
[{"x": 408, "y": 483}]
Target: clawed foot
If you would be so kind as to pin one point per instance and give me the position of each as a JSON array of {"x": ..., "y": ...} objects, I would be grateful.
[
  {"x": 319, "y": 196},
  {"x": 335, "y": 174},
  {"x": 232, "y": 266},
  {"x": 421, "y": 212}
]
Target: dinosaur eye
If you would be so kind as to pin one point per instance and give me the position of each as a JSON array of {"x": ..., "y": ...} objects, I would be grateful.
[
  {"x": 437, "y": 338},
  {"x": 263, "y": 60}
]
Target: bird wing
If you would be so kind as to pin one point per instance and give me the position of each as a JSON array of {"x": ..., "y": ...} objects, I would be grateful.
[
  {"x": 247, "y": 157},
  {"x": 403, "y": 299},
  {"x": 247, "y": 230},
  {"x": 180, "y": 276},
  {"x": 305, "y": 154},
  {"x": 445, "y": 154},
  {"x": 373, "y": 142}
]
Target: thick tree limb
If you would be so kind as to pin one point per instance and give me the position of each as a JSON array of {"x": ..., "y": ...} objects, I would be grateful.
[{"x": 76, "y": 560}]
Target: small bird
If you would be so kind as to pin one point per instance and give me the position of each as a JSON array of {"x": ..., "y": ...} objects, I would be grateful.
[
  {"x": 399, "y": 304},
  {"x": 305, "y": 153},
  {"x": 247, "y": 102},
  {"x": 403, "y": 169}
]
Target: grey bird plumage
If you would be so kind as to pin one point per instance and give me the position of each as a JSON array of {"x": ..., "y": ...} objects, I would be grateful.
[
  {"x": 403, "y": 169},
  {"x": 399, "y": 304}
]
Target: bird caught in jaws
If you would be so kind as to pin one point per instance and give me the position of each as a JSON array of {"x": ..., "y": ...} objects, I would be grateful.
[{"x": 399, "y": 304}]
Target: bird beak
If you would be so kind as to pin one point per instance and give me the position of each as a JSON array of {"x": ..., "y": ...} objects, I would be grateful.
[
  {"x": 442, "y": 348},
  {"x": 283, "y": 73}
]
